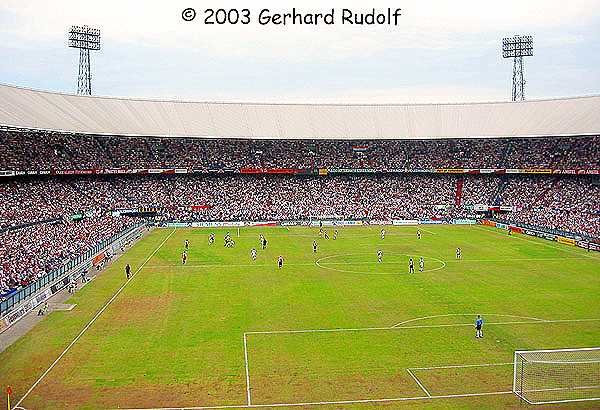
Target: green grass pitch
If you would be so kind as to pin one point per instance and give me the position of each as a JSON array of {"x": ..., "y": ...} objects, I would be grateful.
[{"x": 179, "y": 336}]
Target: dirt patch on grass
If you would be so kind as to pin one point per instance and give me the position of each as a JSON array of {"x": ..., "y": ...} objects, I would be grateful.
[
  {"x": 214, "y": 392},
  {"x": 139, "y": 309}
]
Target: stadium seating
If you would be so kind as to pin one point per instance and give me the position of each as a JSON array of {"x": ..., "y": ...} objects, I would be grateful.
[{"x": 46, "y": 151}]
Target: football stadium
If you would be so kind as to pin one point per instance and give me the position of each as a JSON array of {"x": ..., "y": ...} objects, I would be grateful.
[{"x": 182, "y": 254}]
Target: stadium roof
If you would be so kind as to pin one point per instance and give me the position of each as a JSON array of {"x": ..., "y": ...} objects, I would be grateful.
[{"x": 33, "y": 109}]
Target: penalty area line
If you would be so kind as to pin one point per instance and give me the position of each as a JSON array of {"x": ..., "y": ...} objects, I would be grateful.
[
  {"x": 418, "y": 382},
  {"x": 91, "y": 322},
  {"x": 247, "y": 370},
  {"x": 399, "y": 327}
]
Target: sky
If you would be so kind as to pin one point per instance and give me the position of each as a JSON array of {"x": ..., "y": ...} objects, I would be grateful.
[{"x": 441, "y": 51}]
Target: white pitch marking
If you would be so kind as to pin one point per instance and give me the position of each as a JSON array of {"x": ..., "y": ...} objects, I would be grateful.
[
  {"x": 512, "y": 259},
  {"x": 214, "y": 265},
  {"x": 465, "y": 314},
  {"x": 360, "y": 329},
  {"x": 324, "y": 403},
  {"x": 460, "y": 366},
  {"x": 425, "y": 230},
  {"x": 247, "y": 370},
  {"x": 93, "y": 320},
  {"x": 418, "y": 382},
  {"x": 318, "y": 263}
]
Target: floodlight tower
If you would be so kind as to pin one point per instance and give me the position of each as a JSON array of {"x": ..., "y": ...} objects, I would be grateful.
[
  {"x": 85, "y": 39},
  {"x": 516, "y": 48}
]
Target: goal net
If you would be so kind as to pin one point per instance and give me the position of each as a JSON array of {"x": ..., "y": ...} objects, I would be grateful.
[{"x": 557, "y": 376}]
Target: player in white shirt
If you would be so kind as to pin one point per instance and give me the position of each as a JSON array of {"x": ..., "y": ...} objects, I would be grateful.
[
  {"x": 383, "y": 234},
  {"x": 421, "y": 264},
  {"x": 253, "y": 254},
  {"x": 379, "y": 256}
]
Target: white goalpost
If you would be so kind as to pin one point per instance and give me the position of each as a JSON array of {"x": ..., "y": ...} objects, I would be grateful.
[{"x": 557, "y": 376}]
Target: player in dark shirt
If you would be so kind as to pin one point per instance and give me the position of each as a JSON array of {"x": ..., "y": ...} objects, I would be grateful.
[
  {"x": 478, "y": 326},
  {"x": 128, "y": 271}
]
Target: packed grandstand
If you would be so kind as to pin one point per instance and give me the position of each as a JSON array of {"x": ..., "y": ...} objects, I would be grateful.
[{"x": 61, "y": 191}]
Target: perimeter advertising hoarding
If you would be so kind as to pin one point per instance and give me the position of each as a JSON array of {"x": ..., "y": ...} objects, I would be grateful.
[
  {"x": 399, "y": 222},
  {"x": 566, "y": 241},
  {"x": 352, "y": 170},
  {"x": 25, "y": 308}
]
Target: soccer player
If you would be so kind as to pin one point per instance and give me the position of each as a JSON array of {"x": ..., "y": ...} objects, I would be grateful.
[
  {"x": 253, "y": 254},
  {"x": 418, "y": 234},
  {"x": 321, "y": 232},
  {"x": 315, "y": 246},
  {"x": 280, "y": 261},
  {"x": 421, "y": 264},
  {"x": 326, "y": 235},
  {"x": 458, "y": 253},
  {"x": 383, "y": 234},
  {"x": 264, "y": 243},
  {"x": 211, "y": 238},
  {"x": 187, "y": 244},
  {"x": 128, "y": 271},
  {"x": 379, "y": 256},
  {"x": 478, "y": 326},
  {"x": 183, "y": 257},
  {"x": 411, "y": 266},
  {"x": 335, "y": 234}
]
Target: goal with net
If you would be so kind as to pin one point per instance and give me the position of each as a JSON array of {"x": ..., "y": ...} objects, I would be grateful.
[{"x": 557, "y": 376}]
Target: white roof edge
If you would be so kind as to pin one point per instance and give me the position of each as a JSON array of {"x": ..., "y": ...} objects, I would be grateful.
[
  {"x": 25, "y": 108},
  {"x": 174, "y": 100}
]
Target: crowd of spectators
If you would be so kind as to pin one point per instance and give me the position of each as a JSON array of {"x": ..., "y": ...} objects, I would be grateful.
[
  {"x": 248, "y": 197},
  {"x": 27, "y": 254},
  {"x": 28, "y": 150},
  {"x": 566, "y": 204}
]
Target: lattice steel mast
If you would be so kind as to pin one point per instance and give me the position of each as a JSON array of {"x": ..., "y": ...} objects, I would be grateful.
[
  {"x": 85, "y": 39},
  {"x": 516, "y": 48}
]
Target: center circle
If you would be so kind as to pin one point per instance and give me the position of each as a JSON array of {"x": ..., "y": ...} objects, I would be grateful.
[{"x": 398, "y": 262}]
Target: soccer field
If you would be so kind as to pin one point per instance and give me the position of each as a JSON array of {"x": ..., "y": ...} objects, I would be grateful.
[{"x": 335, "y": 327}]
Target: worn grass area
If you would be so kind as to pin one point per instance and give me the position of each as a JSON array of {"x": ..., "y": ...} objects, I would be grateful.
[{"x": 175, "y": 336}]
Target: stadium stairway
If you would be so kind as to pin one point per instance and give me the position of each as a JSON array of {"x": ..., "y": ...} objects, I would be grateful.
[
  {"x": 502, "y": 185},
  {"x": 459, "y": 191}
]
